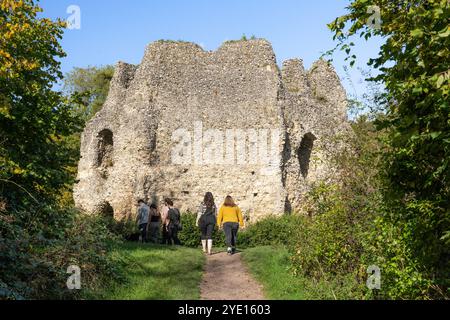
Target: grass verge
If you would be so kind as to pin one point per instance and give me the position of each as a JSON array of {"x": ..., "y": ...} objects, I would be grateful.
[
  {"x": 153, "y": 272},
  {"x": 270, "y": 266}
]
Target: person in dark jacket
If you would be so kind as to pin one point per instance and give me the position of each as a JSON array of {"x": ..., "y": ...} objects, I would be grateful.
[
  {"x": 206, "y": 221},
  {"x": 142, "y": 219},
  {"x": 174, "y": 225}
]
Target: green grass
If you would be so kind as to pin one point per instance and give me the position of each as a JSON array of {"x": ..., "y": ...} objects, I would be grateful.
[
  {"x": 156, "y": 273},
  {"x": 270, "y": 266}
]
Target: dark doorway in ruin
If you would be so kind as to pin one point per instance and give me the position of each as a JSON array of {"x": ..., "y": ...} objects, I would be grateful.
[
  {"x": 105, "y": 147},
  {"x": 304, "y": 153},
  {"x": 106, "y": 210}
]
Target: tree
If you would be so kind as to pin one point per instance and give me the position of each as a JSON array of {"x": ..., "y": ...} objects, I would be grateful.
[
  {"x": 92, "y": 86},
  {"x": 414, "y": 68},
  {"x": 87, "y": 89},
  {"x": 34, "y": 119}
]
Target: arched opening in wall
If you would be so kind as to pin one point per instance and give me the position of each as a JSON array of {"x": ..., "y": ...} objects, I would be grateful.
[
  {"x": 106, "y": 210},
  {"x": 105, "y": 148},
  {"x": 304, "y": 153}
]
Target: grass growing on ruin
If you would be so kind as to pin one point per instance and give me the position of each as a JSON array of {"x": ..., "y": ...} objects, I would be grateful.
[{"x": 156, "y": 272}]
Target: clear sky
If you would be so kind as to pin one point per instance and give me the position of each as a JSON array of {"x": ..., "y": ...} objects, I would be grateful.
[{"x": 113, "y": 30}]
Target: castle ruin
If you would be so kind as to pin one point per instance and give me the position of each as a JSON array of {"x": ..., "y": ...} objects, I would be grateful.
[{"x": 187, "y": 121}]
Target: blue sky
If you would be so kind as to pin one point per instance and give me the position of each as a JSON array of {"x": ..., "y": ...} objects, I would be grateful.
[{"x": 113, "y": 30}]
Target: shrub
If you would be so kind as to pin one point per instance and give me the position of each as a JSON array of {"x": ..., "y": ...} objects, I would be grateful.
[
  {"x": 354, "y": 223},
  {"x": 190, "y": 236},
  {"x": 34, "y": 261},
  {"x": 271, "y": 230},
  {"x": 329, "y": 246}
]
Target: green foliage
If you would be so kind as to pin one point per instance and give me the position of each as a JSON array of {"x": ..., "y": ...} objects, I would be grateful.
[
  {"x": 190, "y": 236},
  {"x": 271, "y": 267},
  {"x": 34, "y": 261},
  {"x": 413, "y": 66},
  {"x": 349, "y": 226},
  {"x": 244, "y": 37},
  {"x": 271, "y": 230},
  {"x": 33, "y": 118},
  {"x": 40, "y": 236},
  {"x": 91, "y": 86},
  {"x": 329, "y": 247}
]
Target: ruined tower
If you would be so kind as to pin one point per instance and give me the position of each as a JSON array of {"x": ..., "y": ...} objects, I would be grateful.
[{"x": 187, "y": 121}]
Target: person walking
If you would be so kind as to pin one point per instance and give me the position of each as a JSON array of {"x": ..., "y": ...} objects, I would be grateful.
[
  {"x": 174, "y": 225},
  {"x": 165, "y": 222},
  {"x": 230, "y": 218},
  {"x": 206, "y": 221},
  {"x": 154, "y": 224},
  {"x": 143, "y": 219}
]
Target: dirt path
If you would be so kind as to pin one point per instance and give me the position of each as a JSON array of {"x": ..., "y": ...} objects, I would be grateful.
[{"x": 227, "y": 278}]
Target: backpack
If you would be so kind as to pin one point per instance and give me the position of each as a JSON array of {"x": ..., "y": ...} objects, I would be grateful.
[
  {"x": 208, "y": 216},
  {"x": 175, "y": 217}
]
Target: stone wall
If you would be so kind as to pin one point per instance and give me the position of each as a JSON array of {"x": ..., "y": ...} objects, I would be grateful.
[{"x": 186, "y": 121}]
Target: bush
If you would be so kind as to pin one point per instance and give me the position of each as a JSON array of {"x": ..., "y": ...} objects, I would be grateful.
[
  {"x": 329, "y": 246},
  {"x": 354, "y": 223},
  {"x": 409, "y": 253},
  {"x": 271, "y": 230},
  {"x": 34, "y": 260},
  {"x": 190, "y": 236}
]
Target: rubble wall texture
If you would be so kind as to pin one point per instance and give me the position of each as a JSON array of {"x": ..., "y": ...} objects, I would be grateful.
[{"x": 187, "y": 121}]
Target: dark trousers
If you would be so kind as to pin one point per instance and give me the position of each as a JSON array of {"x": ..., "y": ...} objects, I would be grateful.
[
  {"x": 173, "y": 235},
  {"x": 165, "y": 235},
  {"x": 207, "y": 230},
  {"x": 153, "y": 229},
  {"x": 230, "y": 229},
  {"x": 143, "y": 230}
]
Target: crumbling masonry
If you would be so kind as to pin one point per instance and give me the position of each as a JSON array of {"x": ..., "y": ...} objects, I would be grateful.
[{"x": 152, "y": 138}]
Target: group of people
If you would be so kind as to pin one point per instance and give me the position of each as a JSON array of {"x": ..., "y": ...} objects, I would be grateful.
[
  {"x": 228, "y": 217},
  {"x": 150, "y": 219}
]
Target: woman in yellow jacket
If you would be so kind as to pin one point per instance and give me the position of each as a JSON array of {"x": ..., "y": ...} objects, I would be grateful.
[{"x": 230, "y": 218}]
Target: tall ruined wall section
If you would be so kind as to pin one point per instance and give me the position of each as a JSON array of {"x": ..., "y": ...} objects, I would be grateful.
[
  {"x": 186, "y": 121},
  {"x": 315, "y": 109}
]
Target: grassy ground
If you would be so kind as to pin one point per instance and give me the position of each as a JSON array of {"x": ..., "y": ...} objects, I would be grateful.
[
  {"x": 157, "y": 273},
  {"x": 270, "y": 266}
]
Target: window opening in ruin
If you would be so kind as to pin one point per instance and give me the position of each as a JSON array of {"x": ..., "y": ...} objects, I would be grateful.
[
  {"x": 105, "y": 148},
  {"x": 106, "y": 210},
  {"x": 304, "y": 153}
]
